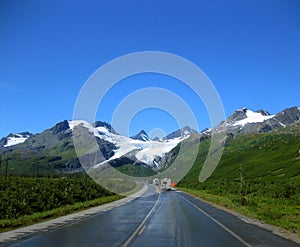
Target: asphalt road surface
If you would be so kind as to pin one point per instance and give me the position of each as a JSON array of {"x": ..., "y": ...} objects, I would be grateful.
[{"x": 159, "y": 219}]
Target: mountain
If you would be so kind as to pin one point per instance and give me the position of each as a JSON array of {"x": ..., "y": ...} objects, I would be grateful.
[
  {"x": 142, "y": 136},
  {"x": 181, "y": 133},
  {"x": 53, "y": 149},
  {"x": 139, "y": 148},
  {"x": 245, "y": 121},
  {"x": 270, "y": 153}
]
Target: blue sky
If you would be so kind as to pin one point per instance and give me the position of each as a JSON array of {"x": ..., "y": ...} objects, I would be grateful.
[{"x": 48, "y": 49}]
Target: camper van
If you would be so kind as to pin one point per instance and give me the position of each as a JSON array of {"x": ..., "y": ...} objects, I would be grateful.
[{"x": 165, "y": 184}]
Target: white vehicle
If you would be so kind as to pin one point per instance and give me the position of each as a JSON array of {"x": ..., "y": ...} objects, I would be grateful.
[
  {"x": 165, "y": 184},
  {"x": 155, "y": 182}
]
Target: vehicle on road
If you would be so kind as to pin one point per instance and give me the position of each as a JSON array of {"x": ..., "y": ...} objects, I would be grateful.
[
  {"x": 165, "y": 184},
  {"x": 155, "y": 182}
]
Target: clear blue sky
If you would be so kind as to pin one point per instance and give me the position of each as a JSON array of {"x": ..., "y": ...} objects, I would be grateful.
[{"x": 249, "y": 49}]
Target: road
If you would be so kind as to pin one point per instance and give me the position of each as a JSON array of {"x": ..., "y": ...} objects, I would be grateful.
[{"x": 159, "y": 219}]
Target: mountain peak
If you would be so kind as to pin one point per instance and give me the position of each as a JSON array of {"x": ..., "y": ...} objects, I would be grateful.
[
  {"x": 249, "y": 116},
  {"x": 245, "y": 121},
  {"x": 105, "y": 125},
  {"x": 244, "y": 116},
  {"x": 142, "y": 136},
  {"x": 238, "y": 115},
  {"x": 183, "y": 132},
  {"x": 263, "y": 112},
  {"x": 59, "y": 127},
  {"x": 289, "y": 115}
]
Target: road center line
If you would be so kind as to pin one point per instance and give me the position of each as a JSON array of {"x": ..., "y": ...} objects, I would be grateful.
[
  {"x": 142, "y": 230},
  {"x": 219, "y": 223},
  {"x": 139, "y": 228}
]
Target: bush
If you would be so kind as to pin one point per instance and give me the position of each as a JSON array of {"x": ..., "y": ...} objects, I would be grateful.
[{"x": 25, "y": 196}]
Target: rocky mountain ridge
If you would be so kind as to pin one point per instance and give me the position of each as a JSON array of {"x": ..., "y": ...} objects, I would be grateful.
[
  {"x": 245, "y": 121},
  {"x": 54, "y": 147}
]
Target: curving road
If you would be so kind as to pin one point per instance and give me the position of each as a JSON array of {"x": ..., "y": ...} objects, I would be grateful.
[{"x": 159, "y": 219}]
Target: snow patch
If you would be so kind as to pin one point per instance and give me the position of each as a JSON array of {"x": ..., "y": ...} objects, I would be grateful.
[
  {"x": 283, "y": 125},
  {"x": 85, "y": 124},
  {"x": 16, "y": 139},
  {"x": 155, "y": 148},
  {"x": 252, "y": 117}
]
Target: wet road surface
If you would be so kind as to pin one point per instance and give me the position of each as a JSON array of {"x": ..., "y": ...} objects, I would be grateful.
[{"x": 159, "y": 219}]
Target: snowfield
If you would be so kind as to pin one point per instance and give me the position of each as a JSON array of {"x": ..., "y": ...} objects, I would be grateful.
[
  {"x": 146, "y": 151},
  {"x": 16, "y": 139},
  {"x": 252, "y": 117}
]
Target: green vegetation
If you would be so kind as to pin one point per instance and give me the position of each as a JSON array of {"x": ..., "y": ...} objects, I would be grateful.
[
  {"x": 258, "y": 175},
  {"x": 41, "y": 162},
  {"x": 26, "y": 200},
  {"x": 136, "y": 170},
  {"x": 8, "y": 224}
]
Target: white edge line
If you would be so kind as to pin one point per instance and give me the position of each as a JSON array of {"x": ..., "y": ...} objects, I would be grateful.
[
  {"x": 219, "y": 223},
  {"x": 129, "y": 240}
]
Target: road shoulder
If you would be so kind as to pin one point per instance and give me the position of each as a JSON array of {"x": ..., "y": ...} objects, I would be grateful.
[
  {"x": 271, "y": 228},
  {"x": 25, "y": 232}
]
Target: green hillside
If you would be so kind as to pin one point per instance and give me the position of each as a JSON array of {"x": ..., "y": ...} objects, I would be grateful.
[
  {"x": 38, "y": 163},
  {"x": 136, "y": 170},
  {"x": 258, "y": 175}
]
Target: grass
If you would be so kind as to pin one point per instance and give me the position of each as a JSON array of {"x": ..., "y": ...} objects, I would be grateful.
[{"x": 25, "y": 220}]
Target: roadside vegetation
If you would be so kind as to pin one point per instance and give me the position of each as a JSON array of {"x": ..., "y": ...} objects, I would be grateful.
[
  {"x": 25, "y": 200},
  {"x": 258, "y": 175},
  {"x": 136, "y": 171}
]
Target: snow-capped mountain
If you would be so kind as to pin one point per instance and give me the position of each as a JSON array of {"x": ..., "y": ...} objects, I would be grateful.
[
  {"x": 245, "y": 121},
  {"x": 14, "y": 139},
  {"x": 54, "y": 147},
  {"x": 142, "y": 136},
  {"x": 145, "y": 150},
  {"x": 245, "y": 116},
  {"x": 183, "y": 132}
]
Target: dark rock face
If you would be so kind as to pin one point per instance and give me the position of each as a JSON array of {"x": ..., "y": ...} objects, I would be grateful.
[
  {"x": 106, "y": 148},
  {"x": 62, "y": 126},
  {"x": 142, "y": 136},
  {"x": 264, "y": 113},
  {"x": 128, "y": 159},
  {"x": 285, "y": 118},
  {"x": 73, "y": 165},
  {"x": 288, "y": 116},
  {"x": 23, "y": 134},
  {"x": 265, "y": 128},
  {"x": 105, "y": 125},
  {"x": 238, "y": 115},
  {"x": 3, "y": 142},
  {"x": 180, "y": 133}
]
